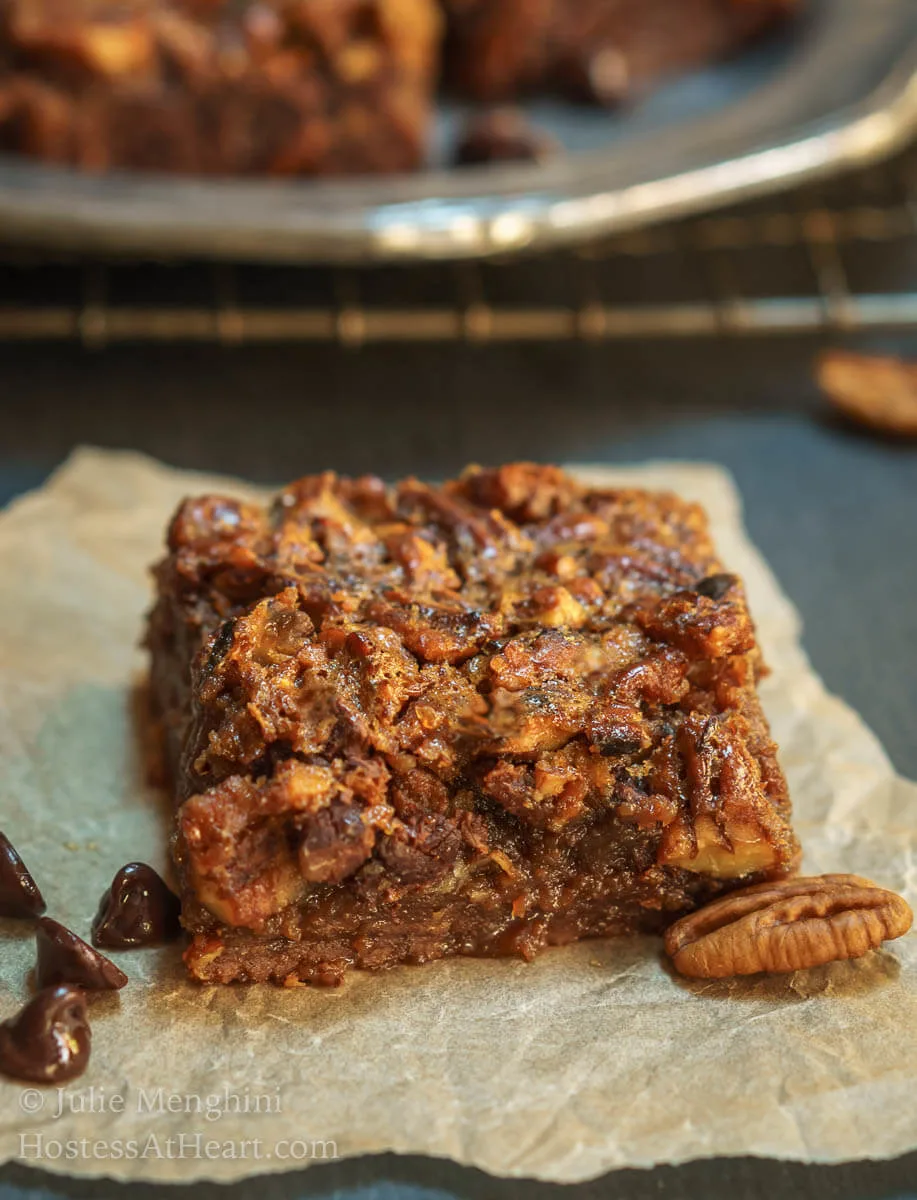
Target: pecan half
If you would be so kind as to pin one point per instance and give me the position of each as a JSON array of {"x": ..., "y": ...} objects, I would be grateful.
[
  {"x": 873, "y": 390},
  {"x": 786, "y": 926}
]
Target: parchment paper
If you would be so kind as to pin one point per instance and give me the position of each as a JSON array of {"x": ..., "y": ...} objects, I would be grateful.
[{"x": 592, "y": 1057}]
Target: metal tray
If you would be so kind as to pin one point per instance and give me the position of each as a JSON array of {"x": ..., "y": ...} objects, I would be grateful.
[{"x": 837, "y": 90}]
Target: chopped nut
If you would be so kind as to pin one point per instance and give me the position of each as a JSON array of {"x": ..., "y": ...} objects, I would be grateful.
[
  {"x": 729, "y": 830},
  {"x": 746, "y": 852},
  {"x": 875, "y": 391},
  {"x": 358, "y": 62},
  {"x": 562, "y": 566},
  {"x": 786, "y": 926},
  {"x": 118, "y": 50},
  {"x": 433, "y": 632},
  {"x": 556, "y": 608},
  {"x": 108, "y": 48},
  {"x": 701, "y": 625},
  {"x": 208, "y": 951}
]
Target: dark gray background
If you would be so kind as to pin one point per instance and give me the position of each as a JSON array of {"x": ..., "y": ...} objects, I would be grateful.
[{"x": 833, "y": 509}]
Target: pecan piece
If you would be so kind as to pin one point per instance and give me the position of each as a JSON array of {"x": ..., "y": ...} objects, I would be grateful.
[
  {"x": 730, "y": 828},
  {"x": 786, "y": 926},
  {"x": 875, "y": 391}
]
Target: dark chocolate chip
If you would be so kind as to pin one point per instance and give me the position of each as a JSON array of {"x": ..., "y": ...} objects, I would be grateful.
[
  {"x": 703, "y": 739},
  {"x": 19, "y": 894},
  {"x": 221, "y": 644},
  {"x": 48, "y": 1040},
  {"x": 502, "y": 135},
  {"x": 715, "y": 587},
  {"x": 65, "y": 958},
  {"x": 137, "y": 910},
  {"x": 621, "y": 745}
]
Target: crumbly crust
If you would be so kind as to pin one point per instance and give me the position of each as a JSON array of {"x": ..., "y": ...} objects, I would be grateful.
[
  {"x": 481, "y": 718},
  {"x": 278, "y": 87}
]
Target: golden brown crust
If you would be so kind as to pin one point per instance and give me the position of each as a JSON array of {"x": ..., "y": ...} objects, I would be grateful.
[{"x": 480, "y": 718}]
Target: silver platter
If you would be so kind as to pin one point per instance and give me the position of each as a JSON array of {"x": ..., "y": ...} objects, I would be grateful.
[{"x": 837, "y": 90}]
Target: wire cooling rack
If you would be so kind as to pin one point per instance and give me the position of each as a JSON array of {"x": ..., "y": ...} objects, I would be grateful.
[{"x": 840, "y": 257}]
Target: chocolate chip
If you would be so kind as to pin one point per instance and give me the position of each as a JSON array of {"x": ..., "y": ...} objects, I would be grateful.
[
  {"x": 137, "y": 910},
  {"x": 47, "y": 1041},
  {"x": 621, "y": 745},
  {"x": 19, "y": 894},
  {"x": 502, "y": 135},
  {"x": 221, "y": 644},
  {"x": 65, "y": 958},
  {"x": 715, "y": 586}
]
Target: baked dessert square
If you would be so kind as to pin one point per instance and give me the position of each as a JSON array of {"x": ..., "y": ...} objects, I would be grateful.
[
  {"x": 216, "y": 87},
  {"x": 483, "y": 718},
  {"x": 603, "y": 51}
]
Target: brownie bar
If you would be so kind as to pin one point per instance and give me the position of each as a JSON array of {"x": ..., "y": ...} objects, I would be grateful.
[
  {"x": 277, "y": 87},
  {"x": 483, "y": 718},
  {"x": 596, "y": 50}
]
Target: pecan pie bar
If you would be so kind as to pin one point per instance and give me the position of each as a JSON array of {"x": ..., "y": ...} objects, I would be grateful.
[
  {"x": 278, "y": 87},
  {"x": 483, "y": 718},
  {"x": 595, "y": 50}
]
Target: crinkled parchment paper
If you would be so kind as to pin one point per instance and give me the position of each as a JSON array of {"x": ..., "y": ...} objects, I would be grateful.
[{"x": 590, "y": 1058}]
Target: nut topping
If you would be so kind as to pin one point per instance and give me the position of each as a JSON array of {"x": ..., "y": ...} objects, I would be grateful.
[
  {"x": 729, "y": 830},
  {"x": 786, "y": 926},
  {"x": 872, "y": 390}
]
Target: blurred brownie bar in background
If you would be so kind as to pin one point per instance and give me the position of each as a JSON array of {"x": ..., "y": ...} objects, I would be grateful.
[
  {"x": 279, "y": 87},
  {"x": 602, "y": 51},
  {"x": 483, "y": 718},
  {"x": 320, "y": 87}
]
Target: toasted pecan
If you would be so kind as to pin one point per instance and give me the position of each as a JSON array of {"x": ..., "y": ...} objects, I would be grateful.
[
  {"x": 786, "y": 926},
  {"x": 876, "y": 391}
]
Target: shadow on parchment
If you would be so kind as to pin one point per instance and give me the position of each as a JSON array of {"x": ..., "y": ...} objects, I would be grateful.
[
  {"x": 149, "y": 745},
  {"x": 856, "y": 977}
]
